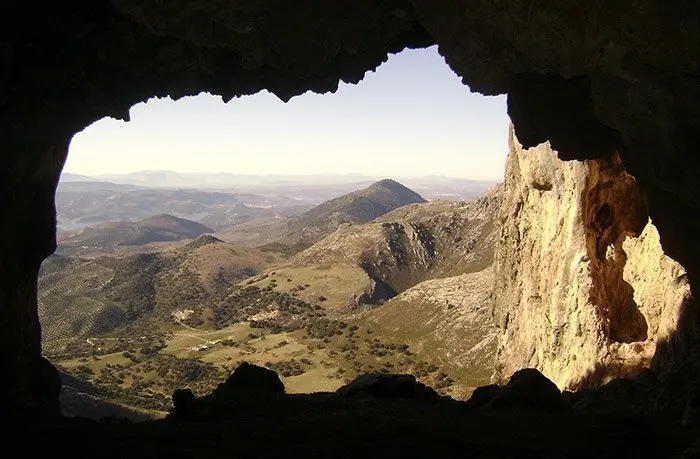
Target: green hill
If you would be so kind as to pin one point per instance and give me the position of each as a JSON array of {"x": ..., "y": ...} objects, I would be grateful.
[
  {"x": 91, "y": 297},
  {"x": 108, "y": 237}
]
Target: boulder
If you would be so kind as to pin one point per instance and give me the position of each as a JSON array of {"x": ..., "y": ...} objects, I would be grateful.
[
  {"x": 250, "y": 379},
  {"x": 529, "y": 387},
  {"x": 248, "y": 386},
  {"x": 388, "y": 386},
  {"x": 483, "y": 395}
]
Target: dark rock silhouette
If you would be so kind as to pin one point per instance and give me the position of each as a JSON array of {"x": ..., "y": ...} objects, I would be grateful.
[
  {"x": 386, "y": 415},
  {"x": 183, "y": 401},
  {"x": 388, "y": 386},
  {"x": 483, "y": 395},
  {"x": 251, "y": 380},
  {"x": 248, "y": 384},
  {"x": 529, "y": 387}
]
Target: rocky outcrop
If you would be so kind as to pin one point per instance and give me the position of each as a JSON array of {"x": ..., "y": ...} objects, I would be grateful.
[{"x": 584, "y": 291}]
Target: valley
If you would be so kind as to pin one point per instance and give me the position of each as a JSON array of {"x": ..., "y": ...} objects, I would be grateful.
[{"x": 378, "y": 280}]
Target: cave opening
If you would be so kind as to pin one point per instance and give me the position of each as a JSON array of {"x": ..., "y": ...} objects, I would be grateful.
[
  {"x": 162, "y": 280},
  {"x": 574, "y": 75}
]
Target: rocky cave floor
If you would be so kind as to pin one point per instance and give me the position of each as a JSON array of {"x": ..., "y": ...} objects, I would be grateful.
[{"x": 384, "y": 416}]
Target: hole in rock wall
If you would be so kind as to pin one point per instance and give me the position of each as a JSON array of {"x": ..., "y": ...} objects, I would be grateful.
[
  {"x": 626, "y": 322},
  {"x": 293, "y": 236},
  {"x": 617, "y": 211}
]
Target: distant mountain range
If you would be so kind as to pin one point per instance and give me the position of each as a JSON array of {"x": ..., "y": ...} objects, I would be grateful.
[
  {"x": 85, "y": 202},
  {"x": 69, "y": 177},
  {"x": 430, "y": 186},
  {"x": 166, "y": 178}
]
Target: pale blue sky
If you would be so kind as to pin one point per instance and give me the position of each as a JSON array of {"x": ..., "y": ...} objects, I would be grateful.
[{"x": 411, "y": 117}]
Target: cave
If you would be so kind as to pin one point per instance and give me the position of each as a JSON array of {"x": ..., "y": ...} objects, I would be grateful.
[{"x": 592, "y": 78}]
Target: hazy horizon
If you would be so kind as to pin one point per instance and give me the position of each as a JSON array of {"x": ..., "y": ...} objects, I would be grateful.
[
  {"x": 412, "y": 117},
  {"x": 314, "y": 174}
]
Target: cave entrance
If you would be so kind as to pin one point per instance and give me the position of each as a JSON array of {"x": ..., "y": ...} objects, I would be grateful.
[{"x": 180, "y": 234}]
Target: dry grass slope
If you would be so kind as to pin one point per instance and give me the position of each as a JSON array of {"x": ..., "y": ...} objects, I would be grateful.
[{"x": 447, "y": 322}]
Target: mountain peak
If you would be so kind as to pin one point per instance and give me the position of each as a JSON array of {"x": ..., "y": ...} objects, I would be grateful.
[
  {"x": 202, "y": 240},
  {"x": 394, "y": 187},
  {"x": 360, "y": 206},
  {"x": 386, "y": 183}
]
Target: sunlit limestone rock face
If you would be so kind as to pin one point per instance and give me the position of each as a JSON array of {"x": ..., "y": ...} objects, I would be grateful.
[{"x": 583, "y": 290}]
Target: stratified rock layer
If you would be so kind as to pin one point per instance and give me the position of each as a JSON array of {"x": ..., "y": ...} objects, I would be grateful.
[{"x": 584, "y": 291}]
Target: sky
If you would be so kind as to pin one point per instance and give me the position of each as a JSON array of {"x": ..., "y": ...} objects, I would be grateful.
[{"x": 411, "y": 117}]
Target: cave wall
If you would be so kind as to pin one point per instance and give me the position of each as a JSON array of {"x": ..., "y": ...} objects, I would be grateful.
[
  {"x": 583, "y": 290},
  {"x": 593, "y": 77},
  {"x": 27, "y": 236}
]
